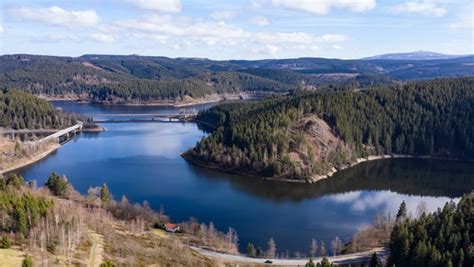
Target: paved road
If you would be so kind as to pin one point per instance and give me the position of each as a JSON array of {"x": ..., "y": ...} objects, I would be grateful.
[
  {"x": 24, "y": 131},
  {"x": 361, "y": 257}
]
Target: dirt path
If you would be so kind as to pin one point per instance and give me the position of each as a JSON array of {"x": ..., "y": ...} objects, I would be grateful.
[
  {"x": 97, "y": 248},
  {"x": 355, "y": 258}
]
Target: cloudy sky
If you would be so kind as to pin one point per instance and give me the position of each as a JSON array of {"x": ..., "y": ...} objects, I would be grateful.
[{"x": 237, "y": 29}]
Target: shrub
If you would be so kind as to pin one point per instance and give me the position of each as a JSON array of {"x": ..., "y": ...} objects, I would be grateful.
[
  {"x": 14, "y": 180},
  {"x": 57, "y": 184},
  {"x": 6, "y": 242},
  {"x": 27, "y": 262},
  {"x": 107, "y": 263}
]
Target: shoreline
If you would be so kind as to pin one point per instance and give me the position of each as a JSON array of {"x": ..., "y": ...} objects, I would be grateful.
[
  {"x": 200, "y": 163},
  {"x": 209, "y": 99},
  {"x": 358, "y": 161},
  {"x": 314, "y": 178},
  {"x": 33, "y": 159},
  {"x": 44, "y": 153}
]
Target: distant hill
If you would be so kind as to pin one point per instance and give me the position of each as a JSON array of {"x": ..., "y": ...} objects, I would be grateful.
[
  {"x": 146, "y": 79},
  {"x": 417, "y": 55}
]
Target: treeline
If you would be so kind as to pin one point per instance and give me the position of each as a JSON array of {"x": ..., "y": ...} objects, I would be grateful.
[
  {"x": 430, "y": 118},
  {"x": 196, "y": 87},
  {"x": 443, "y": 238},
  {"x": 125, "y": 79},
  {"x": 20, "y": 110}
]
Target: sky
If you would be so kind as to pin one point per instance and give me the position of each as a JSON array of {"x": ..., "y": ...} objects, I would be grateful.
[{"x": 238, "y": 29}]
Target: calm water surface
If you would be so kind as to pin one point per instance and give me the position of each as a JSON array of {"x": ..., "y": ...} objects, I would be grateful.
[{"x": 141, "y": 161}]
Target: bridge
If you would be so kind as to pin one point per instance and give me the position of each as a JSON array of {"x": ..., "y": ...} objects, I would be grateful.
[
  {"x": 51, "y": 134},
  {"x": 64, "y": 132},
  {"x": 143, "y": 117}
]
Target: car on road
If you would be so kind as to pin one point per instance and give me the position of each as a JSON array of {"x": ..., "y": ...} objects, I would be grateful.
[{"x": 268, "y": 262}]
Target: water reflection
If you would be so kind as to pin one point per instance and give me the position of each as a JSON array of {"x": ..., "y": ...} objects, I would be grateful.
[
  {"x": 386, "y": 202},
  {"x": 421, "y": 177}
]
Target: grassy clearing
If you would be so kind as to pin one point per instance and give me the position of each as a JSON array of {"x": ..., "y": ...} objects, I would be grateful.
[
  {"x": 11, "y": 257},
  {"x": 160, "y": 233}
]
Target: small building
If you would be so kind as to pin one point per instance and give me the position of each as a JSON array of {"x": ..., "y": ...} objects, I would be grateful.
[{"x": 171, "y": 227}]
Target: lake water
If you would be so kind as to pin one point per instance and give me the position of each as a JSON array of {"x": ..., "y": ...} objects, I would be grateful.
[{"x": 142, "y": 161}]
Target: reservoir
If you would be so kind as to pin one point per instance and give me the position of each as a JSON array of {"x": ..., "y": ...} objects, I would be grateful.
[{"x": 142, "y": 161}]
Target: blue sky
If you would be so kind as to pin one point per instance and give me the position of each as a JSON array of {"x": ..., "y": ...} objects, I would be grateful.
[{"x": 240, "y": 29}]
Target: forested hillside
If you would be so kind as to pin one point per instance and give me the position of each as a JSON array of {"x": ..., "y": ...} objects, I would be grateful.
[
  {"x": 125, "y": 79},
  {"x": 306, "y": 134},
  {"x": 443, "y": 238},
  {"x": 139, "y": 79},
  {"x": 21, "y": 110},
  {"x": 197, "y": 87}
]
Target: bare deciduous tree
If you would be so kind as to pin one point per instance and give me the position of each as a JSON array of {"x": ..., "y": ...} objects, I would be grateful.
[
  {"x": 421, "y": 209},
  {"x": 322, "y": 250},
  {"x": 337, "y": 246},
  {"x": 314, "y": 248},
  {"x": 271, "y": 248}
]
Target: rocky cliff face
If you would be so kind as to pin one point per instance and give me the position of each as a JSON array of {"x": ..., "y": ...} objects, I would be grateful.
[{"x": 319, "y": 149}]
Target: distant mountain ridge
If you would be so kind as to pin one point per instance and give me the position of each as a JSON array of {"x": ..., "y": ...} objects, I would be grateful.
[
  {"x": 133, "y": 79},
  {"x": 416, "y": 55}
]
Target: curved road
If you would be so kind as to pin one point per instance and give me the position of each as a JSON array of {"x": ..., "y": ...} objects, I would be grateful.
[{"x": 361, "y": 257}]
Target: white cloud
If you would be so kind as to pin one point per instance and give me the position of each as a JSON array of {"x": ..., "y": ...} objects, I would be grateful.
[
  {"x": 55, "y": 15},
  {"x": 172, "y": 6},
  {"x": 465, "y": 21},
  {"x": 188, "y": 27},
  {"x": 178, "y": 30},
  {"x": 257, "y": 3},
  {"x": 299, "y": 37},
  {"x": 428, "y": 8},
  {"x": 223, "y": 15},
  {"x": 322, "y": 7},
  {"x": 338, "y": 47},
  {"x": 102, "y": 37},
  {"x": 1, "y": 29},
  {"x": 259, "y": 21},
  {"x": 267, "y": 50},
  {"x": 55, "y": 38}
]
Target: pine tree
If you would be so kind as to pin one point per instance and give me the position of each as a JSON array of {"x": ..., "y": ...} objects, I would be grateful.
[
  {"x": 325, "y": 262},
  {"x": 402, "y": 211},
  {"x": 250, "y": 250},
  {"x": 375, "y": 261},
  {"x": 57, "y": 184},
  {"x": 310, "y": 263},
  {"x": 104, "y": 193}
]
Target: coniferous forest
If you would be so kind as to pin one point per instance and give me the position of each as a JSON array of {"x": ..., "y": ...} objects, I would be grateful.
[
  {"x": 443, "y": 238},
  {"x": 273, "y": 137},
  {"x": 21, "y": 110}
]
